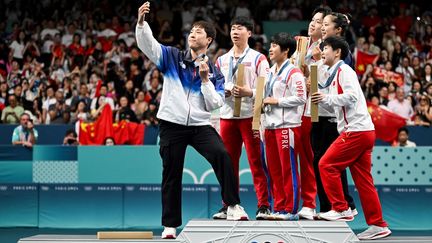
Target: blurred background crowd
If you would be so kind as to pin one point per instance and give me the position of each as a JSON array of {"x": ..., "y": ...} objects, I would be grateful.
[{"x": 62, "y": 61}]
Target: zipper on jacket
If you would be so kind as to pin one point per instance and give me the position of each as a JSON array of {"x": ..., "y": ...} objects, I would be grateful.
[{"x": 193, "y": 77}]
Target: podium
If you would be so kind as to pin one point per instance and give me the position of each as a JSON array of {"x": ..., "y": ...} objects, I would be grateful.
[
  {"x": 266, "y": 231},
  {"x": 215, "y": 231}
]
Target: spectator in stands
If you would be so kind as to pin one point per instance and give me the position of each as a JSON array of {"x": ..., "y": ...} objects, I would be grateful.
[
  {"x": 383, "y": 58},
  {"x": 12, "y": 112},
  {"x": 149, "y": 116},
  {"x": 428, "y": 91},
  {"x": 426, "y": 77},
  {"x": 83, "y": 96},
  {"x": 155, "y": 91},
  {"x": 241, "y": 10},
  {"x": 36, "y": 114},
  {"x": 392, "y": 86},
  {"x": 14, "y": 76},
  {"x": 49, "y": 101},
  {"x": 81, "y": 113},
  {"x": 278, "y": 13},
  {"x": 418, "y": 70},
  {"x": 109, "y": 141},
  {"x": 408, "y": 73},
  {"x": 416, "y": 90},
  {"x": 17, "y": 48},
  {"x": 140, "y": 105},
  {"x": 423, "y": 112},
  {"x": 124, "y": 112},
  {"x": 401, "y": 105},
  {"x": 100, "y": 101},
  {"x": 71, "y": 138},
  {"x": 402, "y": 139},
  {"x": 383, "y": 95},
  {"x": 25, "y": 134}
]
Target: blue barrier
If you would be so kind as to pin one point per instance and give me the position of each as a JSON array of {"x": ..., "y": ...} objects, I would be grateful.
[{"x": 53, "y": 135}]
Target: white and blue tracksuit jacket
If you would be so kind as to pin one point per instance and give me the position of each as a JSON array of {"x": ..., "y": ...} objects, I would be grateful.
[{"x": 185, "y": 100}]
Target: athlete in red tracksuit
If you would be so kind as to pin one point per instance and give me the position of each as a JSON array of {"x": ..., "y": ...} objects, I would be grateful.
[
  {"x": 285, "y": 96},
  {"x": 353, "y": 147},
  {"x": 238, "y": 130}
]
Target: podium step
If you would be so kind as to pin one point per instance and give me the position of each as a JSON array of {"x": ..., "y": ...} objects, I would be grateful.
[
  {"x": 203, "y": 230},
  {"x": 199, "y": 230}
]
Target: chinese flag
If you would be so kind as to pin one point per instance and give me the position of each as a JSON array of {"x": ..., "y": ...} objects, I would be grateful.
[
  {"x": 388, "y": 76},
  {"x": 123, "y": 132},
  {"x": 96, "y": 132},
  {"x": 363, "y": 59},
  {"x": 386, "y": 122},
  {"x": 128, "y": 133}
]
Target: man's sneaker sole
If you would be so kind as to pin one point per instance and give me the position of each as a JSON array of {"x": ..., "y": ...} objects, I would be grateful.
[
  {"x": 261, "y": 217},
  {"x": 378, "y": 235},
  {"x": 308, "y": 217},
  {"x": 346, "y": 219},
  {"x": 219, "y": 218},
  {"x": 237, "y": 219}
]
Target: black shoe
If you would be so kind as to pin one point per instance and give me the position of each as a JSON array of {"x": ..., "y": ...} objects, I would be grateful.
[{"x": 263, "y": 213}]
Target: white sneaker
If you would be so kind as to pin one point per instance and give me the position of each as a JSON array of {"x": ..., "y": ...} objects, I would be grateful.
[
  {"x": 374, "y": 232},
  {"x": 338, "y": 216},
  {"x": 221, "y": 214},
  {"x": 169, "y": 233},
  {"x": 236, "y": 212},
  {"x": 283, "y": 215},
  {"x": 307, "y": 213},
  {"x": 354, "y": 212}
]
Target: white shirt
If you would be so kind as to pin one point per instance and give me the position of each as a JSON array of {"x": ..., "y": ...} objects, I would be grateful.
[
  {"x": 47, "y": 31},
  {"x": 323, "y": 75},
  {"x": 403, "y": 109},
  {"x": 67, "y": 39},
  {"x": 289, "y": 87},
  {"x": 18, "y": 49},
  {"x": 346, "y": 98},
  {"x": 408, "y": 144},
  {"x": 256, "y": 65},
  {"x": 128, "y": 37}
]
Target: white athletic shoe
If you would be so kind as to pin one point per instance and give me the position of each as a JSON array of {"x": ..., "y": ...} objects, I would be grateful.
[
  {"x": 236, "y": 212},
  {"x": 169, "y": 233},
  {"x": 338, "y": 216},
  {"x": 221, "y": 214},
  {"x": 283, "y": 215},
  {"x": 307, "y": 213},
  {"x": 374, "y": 232},
  {"x": 354, "y": 212}
]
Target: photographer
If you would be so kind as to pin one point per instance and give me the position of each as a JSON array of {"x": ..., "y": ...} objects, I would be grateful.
[
  {"x": 25, "y": 134},
  {"x": 70, "y": 138}
]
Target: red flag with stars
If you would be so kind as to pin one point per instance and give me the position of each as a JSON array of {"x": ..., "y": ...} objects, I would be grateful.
[
  {"x": 386, "y": 122},
  {"x": 124, "y": 132},
  {"x": 363, "y": 59}
]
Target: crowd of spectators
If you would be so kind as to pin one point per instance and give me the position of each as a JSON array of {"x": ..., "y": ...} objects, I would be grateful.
[{"x": 62, "y": 61}]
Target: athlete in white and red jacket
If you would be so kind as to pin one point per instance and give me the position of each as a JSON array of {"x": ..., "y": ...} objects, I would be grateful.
[
  {"x": 353, "y": 147},
  {"x": 238, "y": 130},
  {"x": 285, "y": 96}
]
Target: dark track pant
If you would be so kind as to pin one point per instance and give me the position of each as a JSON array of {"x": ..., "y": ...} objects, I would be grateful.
[
  {"x": 174, "y": 139},
  {"x": 323, "y": 134}
]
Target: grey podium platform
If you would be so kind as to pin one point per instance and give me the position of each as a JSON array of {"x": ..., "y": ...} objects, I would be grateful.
[
  {"x": 215, "y": 231},
  {"x": 201, "y": 230}
]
